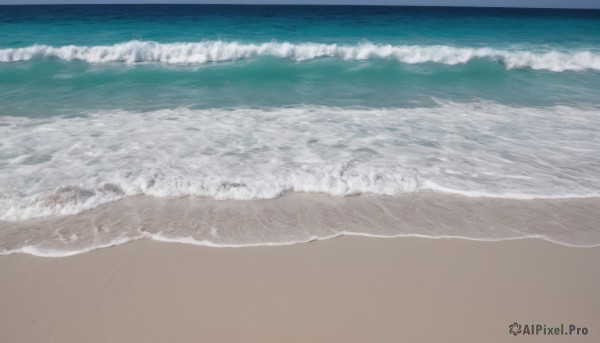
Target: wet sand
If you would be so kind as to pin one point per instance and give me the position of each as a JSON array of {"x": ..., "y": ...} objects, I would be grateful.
[
  {"x": 348, "y": 289},
  {"x": 302, "y": 217}
]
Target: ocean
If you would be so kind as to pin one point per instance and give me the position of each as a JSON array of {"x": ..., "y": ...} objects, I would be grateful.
[{"x": 101, "y": 104}]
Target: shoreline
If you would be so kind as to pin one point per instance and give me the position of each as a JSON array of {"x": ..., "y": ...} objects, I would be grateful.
[
  {"x": 348, "y": 289},
  {"x": 302, "y": 217}
]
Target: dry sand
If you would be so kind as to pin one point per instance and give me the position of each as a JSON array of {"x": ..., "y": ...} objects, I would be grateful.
[{"x": 348, "y": 289}]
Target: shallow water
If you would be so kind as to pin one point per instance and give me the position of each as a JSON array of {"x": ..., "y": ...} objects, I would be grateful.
[{"x": 101, "y": 103}]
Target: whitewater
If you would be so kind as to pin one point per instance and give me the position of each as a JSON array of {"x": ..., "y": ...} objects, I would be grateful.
[
  {"x": 223, "y": 51},
  {"x": 237, "y": 126},
  {"x": 475, "y": 149}
]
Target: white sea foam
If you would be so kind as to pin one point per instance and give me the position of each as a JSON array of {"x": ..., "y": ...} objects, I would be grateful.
[
  {"x": 476, "y": 149},
  {"x": 53, "y": 252},
  {"x": 159, "y": 237},
  {"x": 218, "y": 51}
]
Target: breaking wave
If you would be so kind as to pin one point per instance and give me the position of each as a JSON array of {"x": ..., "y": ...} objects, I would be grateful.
[{"x": 221, "y": 51}]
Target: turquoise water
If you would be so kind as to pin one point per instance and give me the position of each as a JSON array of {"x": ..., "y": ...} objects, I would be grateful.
[
  {"x": 246, "y": 102},
  {"x": 52, "y": 85}
]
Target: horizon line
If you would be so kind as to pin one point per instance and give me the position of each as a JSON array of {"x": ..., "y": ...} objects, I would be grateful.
[{"x": 302, "y": 4}]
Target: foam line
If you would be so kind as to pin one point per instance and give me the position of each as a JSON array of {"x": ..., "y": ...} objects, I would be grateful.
[
  {"x": 220, "y": 51},
  {"x": 476, "y": 149}
]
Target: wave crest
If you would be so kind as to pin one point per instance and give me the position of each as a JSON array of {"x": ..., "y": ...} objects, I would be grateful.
[{"x": 221, "y": 51}]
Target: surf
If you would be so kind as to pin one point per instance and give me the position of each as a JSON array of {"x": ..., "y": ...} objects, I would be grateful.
[
  {"x": 480, "y": 149},
  {"x": 226, "y": 51}
]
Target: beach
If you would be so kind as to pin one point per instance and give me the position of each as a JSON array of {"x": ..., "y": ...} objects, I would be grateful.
[
  {"x": 292, "y": 269},
  {"x": 303, "y": 217},
  {"x": 349, "y": 289},
  {"x": 232, "y": 173}
]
